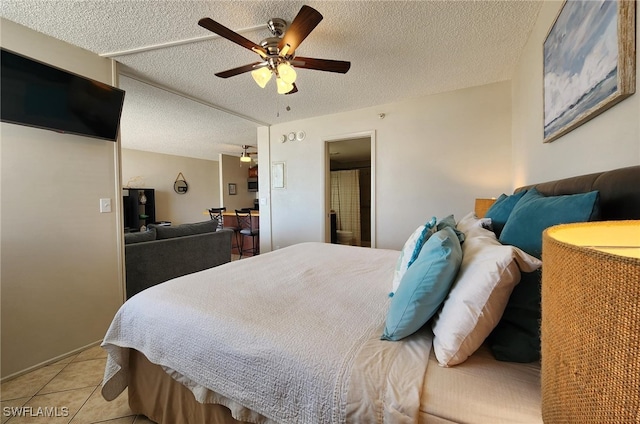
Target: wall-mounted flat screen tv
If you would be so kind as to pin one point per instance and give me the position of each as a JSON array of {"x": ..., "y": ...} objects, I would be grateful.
[{"x": 39, "y": 95}]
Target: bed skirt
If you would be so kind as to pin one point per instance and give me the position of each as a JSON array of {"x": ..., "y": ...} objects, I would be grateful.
[
  {"x": 153, "y": 393},
  {"x": 472, "y": 392}
]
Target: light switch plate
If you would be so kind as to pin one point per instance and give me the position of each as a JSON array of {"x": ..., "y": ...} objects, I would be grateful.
[{"x": 105, "y": 205}]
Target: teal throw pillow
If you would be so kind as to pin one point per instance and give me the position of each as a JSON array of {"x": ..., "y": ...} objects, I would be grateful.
[
  {"x": 410, "y": 251},
  {"x": 499, "y": 212},
  {"x": 516, "y": 338},
  {"x": 424, "y": 286},
  {"x": 535, "y": 212},
  {"x": 450, "y": 221}
]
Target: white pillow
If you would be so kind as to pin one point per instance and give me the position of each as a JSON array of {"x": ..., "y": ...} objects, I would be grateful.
[
  {"x": 470, "y": 221},
  {"x": 410, "y": 251},
  {"x": 479, "y": 296}
]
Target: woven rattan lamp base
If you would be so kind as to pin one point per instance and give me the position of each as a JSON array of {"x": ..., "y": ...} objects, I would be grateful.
[{"x": 591, "y": 325}]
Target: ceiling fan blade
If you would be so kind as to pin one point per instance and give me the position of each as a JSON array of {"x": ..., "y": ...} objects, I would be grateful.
[
  {"x": 237, "y": 71},
  {"x": 293, "y": 90},
  {"x": 304, "y": 22},
  {"x": 230, "y": 35},
  {"x": 328, "y": 65}
]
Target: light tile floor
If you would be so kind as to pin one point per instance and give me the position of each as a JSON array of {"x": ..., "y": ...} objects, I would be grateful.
[{"x": 71, "y": 385}]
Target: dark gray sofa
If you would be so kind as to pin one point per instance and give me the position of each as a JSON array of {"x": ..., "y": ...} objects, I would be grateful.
[{"x": 165, "y": 252}]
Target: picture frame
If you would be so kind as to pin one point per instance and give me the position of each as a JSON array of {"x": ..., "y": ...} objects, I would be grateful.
[
  {"x": 278, "y": 175},
  {"x": 589, "y": 63},
  {"x": 232, "y": 189}
]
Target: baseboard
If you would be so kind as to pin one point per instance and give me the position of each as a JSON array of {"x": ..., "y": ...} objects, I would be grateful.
[{"x": 48, "y": 362}]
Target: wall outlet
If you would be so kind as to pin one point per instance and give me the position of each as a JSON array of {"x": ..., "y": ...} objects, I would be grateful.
[{"x": 105, "y": 205}]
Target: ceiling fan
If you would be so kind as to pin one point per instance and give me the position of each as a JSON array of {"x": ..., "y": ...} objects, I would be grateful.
[
  {"x": 245, "y": 156},
  {"x": 278, "y": 52}
]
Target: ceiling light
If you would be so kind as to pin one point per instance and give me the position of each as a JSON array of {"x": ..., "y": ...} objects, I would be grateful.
[
  {"x": 245, "y": 156},
  {"x": 261, "y": 76},
  {"x": 283, "y": 86},
  {"x": 287, "y": 73}
]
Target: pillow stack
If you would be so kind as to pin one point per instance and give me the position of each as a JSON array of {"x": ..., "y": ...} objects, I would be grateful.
[
  {"x": 479, "y": 295},
  {"x": 481, "y": 284},
  {"x": 516, "y": 338}
]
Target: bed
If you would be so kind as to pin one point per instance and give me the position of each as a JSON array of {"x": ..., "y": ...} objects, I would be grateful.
[{"x": 294, "y": 336}]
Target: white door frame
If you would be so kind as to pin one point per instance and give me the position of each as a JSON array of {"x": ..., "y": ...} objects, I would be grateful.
[{"x": 327, "y": 181}]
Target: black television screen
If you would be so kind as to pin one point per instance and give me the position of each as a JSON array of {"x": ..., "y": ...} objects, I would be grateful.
[{"x": 39, "y": 95}]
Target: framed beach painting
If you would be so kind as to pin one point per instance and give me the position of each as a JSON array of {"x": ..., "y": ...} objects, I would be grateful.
[{"x": 589, "y": 62}]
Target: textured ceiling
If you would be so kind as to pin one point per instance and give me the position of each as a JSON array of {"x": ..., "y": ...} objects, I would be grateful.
[{"x": 398, "y": 50}]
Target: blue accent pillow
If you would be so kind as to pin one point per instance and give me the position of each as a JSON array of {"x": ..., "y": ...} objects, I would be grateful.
[
  {"x": 535, "y": 212},
  {"x": 424, "y": 286},
  {"x": 410, "y": 251},
  {"x": 499, "y": 212},
  {"x": 450, "y": 221},
  {"x": 516, "y": 338}
]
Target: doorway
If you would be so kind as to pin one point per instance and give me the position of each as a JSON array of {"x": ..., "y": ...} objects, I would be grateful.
[{"x": 350, "y": 189}]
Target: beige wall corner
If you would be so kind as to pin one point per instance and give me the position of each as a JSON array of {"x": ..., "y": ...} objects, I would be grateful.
[{"x": 60, "y": 281}]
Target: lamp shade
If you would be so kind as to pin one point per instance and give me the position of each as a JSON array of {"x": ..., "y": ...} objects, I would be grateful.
[
  {"x": 590, "y": 327},
  {"x": 283, "y": 86},
  {"x": 261, "y": 76},
  {"x": 287, "y": 73}
]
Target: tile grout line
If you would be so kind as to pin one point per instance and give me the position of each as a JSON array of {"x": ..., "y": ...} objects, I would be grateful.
[
  {"x": 39, "y": 390},
  {"x": 45, "y": 384},
  {"x": 83, "y": 404},
  {"x": 74, "y": 360}
]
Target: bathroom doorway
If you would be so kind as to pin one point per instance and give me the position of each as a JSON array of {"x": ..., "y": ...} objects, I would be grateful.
[{"x": 350, "y": 190}]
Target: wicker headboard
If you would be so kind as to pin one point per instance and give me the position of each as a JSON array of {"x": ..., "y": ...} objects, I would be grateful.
[{"x": 619, "y": 191}]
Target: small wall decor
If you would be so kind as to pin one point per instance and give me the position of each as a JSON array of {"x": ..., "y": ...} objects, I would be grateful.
[
  {"x": 180, "y": 186},
  {"x": 137, "y": 181},
  {"x": 589, "y": 63},
  {"x": 232, "y": 189}
]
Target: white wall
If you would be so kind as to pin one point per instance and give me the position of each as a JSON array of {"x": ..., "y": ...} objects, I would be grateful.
[
  {"x": 434, "y": 156},
  {"x": 611, "y": 140},
  {"x": 159, "y": 171},
  {"x": 61, "y": 280}
]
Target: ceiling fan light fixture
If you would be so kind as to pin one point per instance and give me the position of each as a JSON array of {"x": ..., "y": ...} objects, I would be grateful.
[
  {"x": 244, "y": 158},
  {"x": 261, "y": 76},
  {"x": 287, "y": 73},
  {"x": 283, "y": 86}
]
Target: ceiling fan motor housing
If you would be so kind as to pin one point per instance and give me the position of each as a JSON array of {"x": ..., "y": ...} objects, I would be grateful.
[
  {"x": 270, "y": 44},
  {"x": 277, "y": 27}
]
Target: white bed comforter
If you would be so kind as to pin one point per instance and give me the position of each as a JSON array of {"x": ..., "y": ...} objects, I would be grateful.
[{"x": 292, "y": 334}]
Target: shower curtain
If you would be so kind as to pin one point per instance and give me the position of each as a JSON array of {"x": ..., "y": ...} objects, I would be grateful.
[{"x": 345, "y": 201}]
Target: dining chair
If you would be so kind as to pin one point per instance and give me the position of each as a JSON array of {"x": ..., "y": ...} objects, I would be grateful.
[
  {"x": 246, "y": 229},
  {"x": 217, "y": 213}
]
